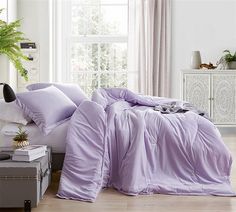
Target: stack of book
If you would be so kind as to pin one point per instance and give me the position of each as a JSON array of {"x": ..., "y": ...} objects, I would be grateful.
[{"x": 29, "y": 153}]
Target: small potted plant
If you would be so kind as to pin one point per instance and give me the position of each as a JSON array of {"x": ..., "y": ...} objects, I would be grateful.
[
  {"x": 21, "y": 138},
  {"x": 229, "y": 60}
]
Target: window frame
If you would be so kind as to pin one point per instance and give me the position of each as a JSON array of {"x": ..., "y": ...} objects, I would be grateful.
[{"x": 63, "y": 42}]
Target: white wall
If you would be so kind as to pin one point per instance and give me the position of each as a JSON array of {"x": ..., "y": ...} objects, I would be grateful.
[
  {"x": 35, "y": 25},
  {"x": 205, "y": 25}
]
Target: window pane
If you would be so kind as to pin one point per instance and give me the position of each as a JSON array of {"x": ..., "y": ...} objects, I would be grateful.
[
  {"x": 113, "y": 56},
  {"x": 78, "y": 20},
  {"x": 104, "y": 20},
  {"x": 120, "y": 80},
  {"x": 111, "y": 80},
  {"x": 87, "y": 81},
  {"x": 84, "y": 57},
  {"x": 114, "y": 20},
  {"x": 85, "y": 20}
]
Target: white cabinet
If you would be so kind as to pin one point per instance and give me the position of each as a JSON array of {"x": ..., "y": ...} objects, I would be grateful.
[{"x": 213, "y": 92}]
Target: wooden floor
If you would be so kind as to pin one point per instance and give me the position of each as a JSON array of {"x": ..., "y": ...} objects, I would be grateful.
[{"x": 111, "y": 200}]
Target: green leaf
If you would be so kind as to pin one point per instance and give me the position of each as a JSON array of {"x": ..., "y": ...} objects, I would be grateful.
[
  {"x": 10, "y": 37},
  {"x": 226, "y": 51}
]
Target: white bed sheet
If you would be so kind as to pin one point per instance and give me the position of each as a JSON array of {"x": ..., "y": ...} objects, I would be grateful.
[{"x": 56, "y": 139}]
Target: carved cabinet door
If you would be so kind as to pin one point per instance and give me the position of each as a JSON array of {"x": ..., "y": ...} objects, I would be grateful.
[
  {"x": 224, "y": 98},
  {"x": 197, "y": 90}
]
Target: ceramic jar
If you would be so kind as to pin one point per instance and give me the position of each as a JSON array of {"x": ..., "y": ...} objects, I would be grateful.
[{"x": 196, "y": 60}]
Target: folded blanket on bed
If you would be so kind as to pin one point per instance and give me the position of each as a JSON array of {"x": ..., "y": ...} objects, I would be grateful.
[
  {"x": 117, "y": 140},
  {"x": 179, "y": 107}
]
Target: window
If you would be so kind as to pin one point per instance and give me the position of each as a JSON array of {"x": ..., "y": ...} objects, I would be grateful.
[{"x": 91, "y": 45}]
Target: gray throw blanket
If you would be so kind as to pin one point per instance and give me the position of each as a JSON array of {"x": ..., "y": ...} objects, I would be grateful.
[{"x": 179, "y": 107}]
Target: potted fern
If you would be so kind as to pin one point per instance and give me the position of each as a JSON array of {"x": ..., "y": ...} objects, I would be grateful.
[
  {"x": 21, "y": 138},
  {"x": 229, "y": 60},
  {"x": 10, "y": 36}
]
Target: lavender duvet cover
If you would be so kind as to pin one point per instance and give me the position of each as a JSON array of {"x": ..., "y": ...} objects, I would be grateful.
[{"x": 118, "y": 140}]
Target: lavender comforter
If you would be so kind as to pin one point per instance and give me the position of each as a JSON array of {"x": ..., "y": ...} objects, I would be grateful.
[{"x": 118, "y": 140}]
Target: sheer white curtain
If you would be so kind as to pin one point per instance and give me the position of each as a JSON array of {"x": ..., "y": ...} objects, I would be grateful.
[{"x": 149, "y": 45}]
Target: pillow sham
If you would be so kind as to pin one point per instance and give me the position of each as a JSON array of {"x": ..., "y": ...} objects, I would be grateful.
[
  {"x": 72, "y": 91},
  {"x": 11, "y": 112},
  {"x": 48, "y": 107}
]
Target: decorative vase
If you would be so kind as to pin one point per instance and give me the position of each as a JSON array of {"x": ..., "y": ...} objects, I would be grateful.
[
  {"x": 20, "y": 144},
  {"x": 196, "y": 60},
  {"x": 232, "y": 65}
]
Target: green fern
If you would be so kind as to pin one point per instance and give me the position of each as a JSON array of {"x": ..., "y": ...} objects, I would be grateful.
[{"x": 10, "y": 36}]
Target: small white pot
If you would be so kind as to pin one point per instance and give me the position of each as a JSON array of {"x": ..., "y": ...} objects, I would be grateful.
[
  {"x": 232, "y": 65},
  {"x": 20, "y": 144}
]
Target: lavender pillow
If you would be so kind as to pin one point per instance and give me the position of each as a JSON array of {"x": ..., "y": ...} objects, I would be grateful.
[
  {"x": 47, "y": 107},
  {"x": 72, "y": 91}
]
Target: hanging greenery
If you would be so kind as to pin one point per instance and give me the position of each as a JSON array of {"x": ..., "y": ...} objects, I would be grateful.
[{"x": 10, "y": 37}]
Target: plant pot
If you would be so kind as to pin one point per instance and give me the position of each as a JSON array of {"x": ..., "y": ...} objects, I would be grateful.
[
  {"x": 232, "y": 65},
  {"x": 20, "y": 144}
]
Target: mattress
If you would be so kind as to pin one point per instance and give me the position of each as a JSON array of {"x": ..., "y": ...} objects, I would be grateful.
[{"x": 56, "y": 139}]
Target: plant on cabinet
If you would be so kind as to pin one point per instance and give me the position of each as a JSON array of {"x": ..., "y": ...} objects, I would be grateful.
[{"x": 228, "y": 61}]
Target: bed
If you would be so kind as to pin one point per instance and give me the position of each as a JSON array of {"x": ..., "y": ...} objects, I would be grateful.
[
  {"x": 133, "y": 143},
  {"x": 142, "y": 145}
]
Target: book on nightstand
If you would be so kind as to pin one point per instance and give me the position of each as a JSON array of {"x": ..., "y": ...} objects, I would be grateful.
[
  {"x": 30, "y": 150},
  {"x": 28, "y": 158},
  {"x": 29, "y": 153}
]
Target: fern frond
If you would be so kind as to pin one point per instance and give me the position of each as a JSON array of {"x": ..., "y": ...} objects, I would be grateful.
[{"x": 10, "y": 36}]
